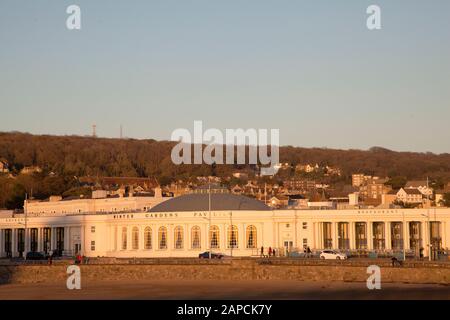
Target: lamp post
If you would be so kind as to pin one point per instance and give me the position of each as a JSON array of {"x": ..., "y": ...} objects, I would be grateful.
[
  {"x": 428, "y": 233},
  {"x": 209, "y": 218},
  {"x": 404, "y": 238}
]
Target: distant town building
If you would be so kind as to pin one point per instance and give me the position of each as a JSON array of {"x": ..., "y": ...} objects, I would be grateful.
[
  {"x": 358, "y": 179},
  {"x": 31, "y": 170},
  {"x": 439, "y": 198},
  {"x": 374, "y": 188},
  {"x": 4, "y": 168},
  {"x": 108, "y": 183},
  {"x": 299, "y": 184},
  {"x": 332, "y": 171},
  {"x": 279, "y": 201},
  {"x": 308, "y": 168},
  {"x": 422, "y": 185},
  {"x": 410, "y": 196},
  {"x": 100, "y": 202}
]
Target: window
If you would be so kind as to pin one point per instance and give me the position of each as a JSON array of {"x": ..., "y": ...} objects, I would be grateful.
[
  {"x": 124, "y": 238},
  {"x": 214, "y": 237},
  {"x": 162, "y": 238},
  {"x": 305, "y": 225},
  {"x": 232, "y": 237},
  {"x": 92, "y": 245},
  {"x": 148, "y": 238},
  {"x": 92, "y": 229},
  {"x": 178, "y": 234},
  {"x": 195, "y": 237},
  {"x": 251, "y": 237},
  {"x": 305, "y": 243},
  {"x": 135, "y": 238}
]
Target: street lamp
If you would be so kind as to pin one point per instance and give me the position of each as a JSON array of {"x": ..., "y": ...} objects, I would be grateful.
[
  {"x": 429, "y": 233},
  {"x": 404, "y": 231},
  {"x": 209, "y": 221}
]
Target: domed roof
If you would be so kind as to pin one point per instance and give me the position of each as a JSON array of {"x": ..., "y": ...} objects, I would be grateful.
[{"x": 200, "y": 202}]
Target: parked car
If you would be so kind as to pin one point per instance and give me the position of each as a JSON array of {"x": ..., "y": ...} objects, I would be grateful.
[
  {"x": 332, "y": 255},
  {"x": 35, "y": 256},
  {"x": 205, "y": 255}
]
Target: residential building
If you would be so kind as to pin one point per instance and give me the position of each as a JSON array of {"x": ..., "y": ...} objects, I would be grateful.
[
  {"x": 422, "y": 186},
  {"x": 299, "y": 184},
  {"x": 4, "y": 168},
  {"x": 410, "y": 196},
  {"x": 374, "y": 188},
  {"x": 31, "y": 170},
  {"x": 99, "y": 202}
]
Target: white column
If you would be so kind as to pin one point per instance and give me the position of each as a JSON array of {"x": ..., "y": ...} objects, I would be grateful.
[
  {"x": 14, "y": 242},
  {"x": 241, "y": 237},
  {"x": 129, "y": 238},
  {"x": 141, "y": 237},
  {"x": 277, "y": 236},
  {"x": 205, "y": 236},
  {"x": 170, "y": 235},
  {"x": 335, "y": 244},
  {"x": 424, "y": 237},
  {"x": 406, "y": 233},
  {"x": 67, "y": 239},
  {"x": 320, "y": 235},
  {"x": 312, "y": 226},
  {"x": 444, "y": 234},
  {"x": 351, "y": 234},
  {"x": 223, "y": 236},
  {"x": 118, "y": 237},
  {"x": 82, "y": 239},
  {"x": 40, "y": 240},
  {"x": 369, "y": 235},
  {"x": 53, "y": 238},
  {"x": 387, "y": 235},
  {"x": 2, "y": 243}
]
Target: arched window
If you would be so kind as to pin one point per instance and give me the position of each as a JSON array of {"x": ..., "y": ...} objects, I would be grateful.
[
  {"x": 162, "y": 238},
  {"x": 178, "y": 237},
  {"x": 214, "y": 234},
  {"x": 251, "y": 237},
  {"x": 232, "y": 237},
  {"x": 135, "y": 238},
  {"x": 124, "y": 238},
  {"x": 195, "y": 237},
  {"x": 148, "y": 238}
]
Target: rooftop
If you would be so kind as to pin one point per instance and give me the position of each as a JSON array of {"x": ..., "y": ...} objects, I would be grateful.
[{"x": 200, "y": 202}]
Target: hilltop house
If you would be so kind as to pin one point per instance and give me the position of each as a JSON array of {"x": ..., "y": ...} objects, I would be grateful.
[
  {"x": 4, "y": 168},
  {"x": 410, "y": 195},
  {"x": 422, "y": 186}
]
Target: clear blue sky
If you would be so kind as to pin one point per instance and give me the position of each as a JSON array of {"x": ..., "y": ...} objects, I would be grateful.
[{"x": 309, "y": 68}]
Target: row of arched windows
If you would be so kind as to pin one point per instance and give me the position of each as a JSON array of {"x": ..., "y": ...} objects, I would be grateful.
[{"x": 214, "y": 236}]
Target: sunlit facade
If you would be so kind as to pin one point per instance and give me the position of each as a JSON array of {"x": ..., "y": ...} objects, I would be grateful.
[{"x": 233, "y": 232}]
